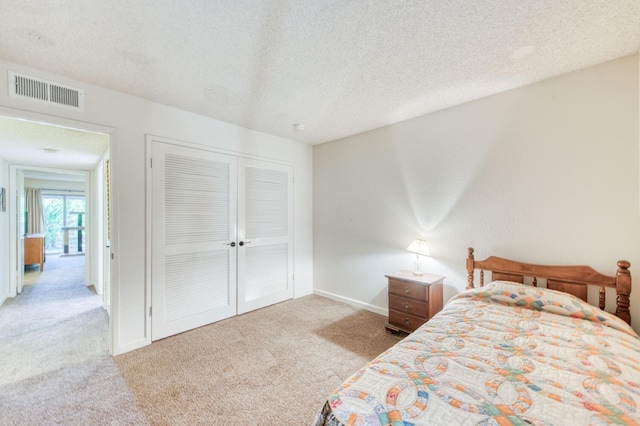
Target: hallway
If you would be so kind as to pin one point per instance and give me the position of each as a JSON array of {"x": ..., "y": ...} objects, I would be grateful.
[{"x": 54, "y": 356}]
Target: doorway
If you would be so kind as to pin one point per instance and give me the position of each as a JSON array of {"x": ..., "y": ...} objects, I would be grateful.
[
  {"x": 67, "y": 164},
  {"x": 52, "y": 224}
]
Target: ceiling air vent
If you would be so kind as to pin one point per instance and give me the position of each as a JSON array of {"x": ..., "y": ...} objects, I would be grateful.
[{"x": 47, "y": 92}]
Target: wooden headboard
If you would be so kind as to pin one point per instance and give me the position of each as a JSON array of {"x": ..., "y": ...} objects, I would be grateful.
[{"x": 569, "y": 279}]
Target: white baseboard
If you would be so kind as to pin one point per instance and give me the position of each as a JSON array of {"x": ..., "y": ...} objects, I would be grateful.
[
  {"x": 302, "y": 293},
  {"x": 4, "y": 299},
  {"x": 353, "y": 302}
]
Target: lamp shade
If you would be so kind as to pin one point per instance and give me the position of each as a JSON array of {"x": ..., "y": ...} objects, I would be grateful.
[{"x": 419, "y": 246}]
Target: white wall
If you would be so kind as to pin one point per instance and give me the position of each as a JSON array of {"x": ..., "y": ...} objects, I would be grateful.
[
  {"x": 131, "y": 118},
  {"x": 547, "y": 173},
  {"x": 4, "y": 235}
]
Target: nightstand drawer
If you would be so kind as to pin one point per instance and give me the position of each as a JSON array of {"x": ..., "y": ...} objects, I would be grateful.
[
  {"x": 413, "y": 300},
  {"x": 410, "y": 306},
  {"x": 407, "y": 289},
  {"x": 405, "y": 321}
]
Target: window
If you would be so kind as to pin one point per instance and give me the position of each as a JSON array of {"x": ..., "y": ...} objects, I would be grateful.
[{"x": 64, "y": 211}]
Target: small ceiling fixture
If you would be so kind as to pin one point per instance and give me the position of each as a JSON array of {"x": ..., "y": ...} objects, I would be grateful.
[
  {"x": 50, "y": 150},
  {"x": 298, "y": 126}
]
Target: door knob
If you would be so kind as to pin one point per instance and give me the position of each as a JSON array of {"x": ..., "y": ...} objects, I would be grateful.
[
  {"x": 241, "y": 243},
  {"x": 232, "y": 244}
]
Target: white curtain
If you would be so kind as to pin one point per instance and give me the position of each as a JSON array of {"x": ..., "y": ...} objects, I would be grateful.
[{"x": 35, "y": 219}]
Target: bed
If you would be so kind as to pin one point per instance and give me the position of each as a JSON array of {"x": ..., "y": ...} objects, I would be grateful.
[{"x": 524, "y": 348}]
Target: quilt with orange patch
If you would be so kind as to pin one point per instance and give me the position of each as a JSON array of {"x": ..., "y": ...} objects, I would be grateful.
[{"x": 502, "y": 354}]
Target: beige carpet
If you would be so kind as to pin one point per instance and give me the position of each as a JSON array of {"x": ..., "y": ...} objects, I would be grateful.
[{"x": 274, "y": 366}]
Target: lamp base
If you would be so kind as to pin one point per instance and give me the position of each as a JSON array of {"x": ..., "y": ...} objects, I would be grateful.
[{"x": 417, "y": 266}]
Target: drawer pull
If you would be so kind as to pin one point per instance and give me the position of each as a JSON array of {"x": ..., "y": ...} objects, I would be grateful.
[
  {"x": 407, "y": 290},
  {"x": 406, "y": 305},
  {"x": 406, "y": 321}
]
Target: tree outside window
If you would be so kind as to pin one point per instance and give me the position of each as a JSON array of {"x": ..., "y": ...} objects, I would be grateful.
[{"x": 61, "y": 210}]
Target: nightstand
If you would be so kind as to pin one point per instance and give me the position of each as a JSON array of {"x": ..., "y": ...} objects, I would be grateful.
[{"x": 413, "y": 300}]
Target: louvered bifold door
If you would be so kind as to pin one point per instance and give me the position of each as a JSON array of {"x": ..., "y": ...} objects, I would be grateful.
[
  {"x": 194, "y": 222},
  {"x": 265, "y": 234}
]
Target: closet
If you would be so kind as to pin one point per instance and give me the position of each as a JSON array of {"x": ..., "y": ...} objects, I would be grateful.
[{"x": 221, "y": 235}]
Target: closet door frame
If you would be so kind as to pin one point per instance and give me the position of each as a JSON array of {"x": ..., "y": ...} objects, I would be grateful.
[{"x": 150, "y": 139}]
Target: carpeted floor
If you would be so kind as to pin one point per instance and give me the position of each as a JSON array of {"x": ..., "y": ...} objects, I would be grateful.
[
  {"x": 54, "y": 362},
  {"x": 273, "y": 366}
]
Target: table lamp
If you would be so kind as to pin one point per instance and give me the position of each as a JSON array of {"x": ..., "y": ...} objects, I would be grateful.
[{"x": 419, "y": 247}]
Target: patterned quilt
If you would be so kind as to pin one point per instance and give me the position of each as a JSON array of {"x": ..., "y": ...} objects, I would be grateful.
[{"x": 499, "y": 355}]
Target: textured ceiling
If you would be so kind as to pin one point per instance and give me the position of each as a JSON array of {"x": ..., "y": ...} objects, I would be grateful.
[
  {"x": 23, "y": 142},
  {"x": 340, "y": 67}
]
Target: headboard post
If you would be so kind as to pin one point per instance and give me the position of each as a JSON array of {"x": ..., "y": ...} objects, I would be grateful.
[
  {"x": 470, "y": 268},
  {"x": 623, "y": 289}
]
